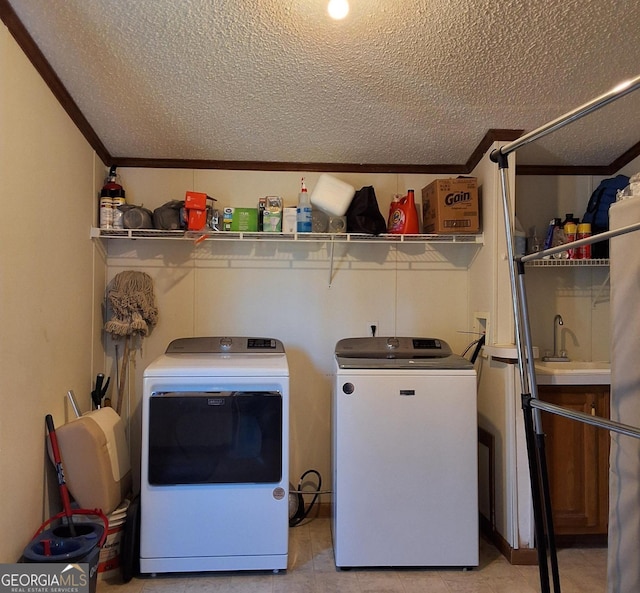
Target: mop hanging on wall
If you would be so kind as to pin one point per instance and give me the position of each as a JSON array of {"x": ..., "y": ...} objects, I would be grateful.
[{"x": 132, "y": 303}]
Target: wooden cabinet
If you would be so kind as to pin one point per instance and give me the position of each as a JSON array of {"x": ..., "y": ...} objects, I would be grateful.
[{"x": 577, "y": 459}]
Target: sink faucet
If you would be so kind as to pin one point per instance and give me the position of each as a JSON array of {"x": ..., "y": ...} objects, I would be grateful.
[
  {"x": 557, "y": 322},
  {"x": 557, "y": 356}
]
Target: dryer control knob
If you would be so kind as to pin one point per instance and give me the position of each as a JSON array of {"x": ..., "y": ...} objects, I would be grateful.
[{"x": 225, "y": 343}]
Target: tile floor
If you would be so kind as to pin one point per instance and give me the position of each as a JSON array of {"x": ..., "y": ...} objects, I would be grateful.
[{"x": 312, "y": 570}]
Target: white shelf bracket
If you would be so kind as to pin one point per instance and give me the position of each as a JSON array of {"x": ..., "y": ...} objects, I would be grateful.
[{"x": 331, "y": 262}]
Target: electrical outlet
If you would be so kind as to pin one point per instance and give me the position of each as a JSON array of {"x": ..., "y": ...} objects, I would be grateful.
[
  {"x": 373, "y": 327},
  {"x": 481, "y": 323}
]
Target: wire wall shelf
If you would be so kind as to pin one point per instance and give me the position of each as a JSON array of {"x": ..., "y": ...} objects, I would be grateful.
[
  {"x": 566, "y": 263},
  {"x": 199, "y": 236}
]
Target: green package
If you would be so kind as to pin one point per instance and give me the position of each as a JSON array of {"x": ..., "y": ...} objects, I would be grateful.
[{"x": 245, "y": 219}]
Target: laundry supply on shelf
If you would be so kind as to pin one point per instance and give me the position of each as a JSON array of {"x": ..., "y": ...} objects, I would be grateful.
[
  {"x": 451, "y": 206},
  {"x": 403, "y": 216},
  {"x": 303, "y": 213}
]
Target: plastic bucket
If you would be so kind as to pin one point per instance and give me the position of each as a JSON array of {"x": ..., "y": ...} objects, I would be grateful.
[
  {"x": 59, "y": 546},
  {"x": 110, "y": 554}
]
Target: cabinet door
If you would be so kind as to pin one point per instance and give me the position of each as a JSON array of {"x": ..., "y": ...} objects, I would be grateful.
[{"x": 577, "y": 459}]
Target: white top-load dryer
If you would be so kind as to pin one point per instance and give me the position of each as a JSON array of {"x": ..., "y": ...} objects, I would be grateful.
[
  {"x": 215, "y": 457},
  {"x": 404, "y": 432}
]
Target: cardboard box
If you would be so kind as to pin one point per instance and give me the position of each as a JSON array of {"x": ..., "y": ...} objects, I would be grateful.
[
  {"x": 194, "y": 200},
  {"x": 272, "y": 221},
  {"x": 272, "y": 215},
  {"x": 451, "y": 206},
  {"x": 240, "y": 219},
  {"x": 245, "y": 220},
  {"x": 197, "y": 219},
  {"x": 289, "y": 220},
  {"x": 227, "y": 218}
]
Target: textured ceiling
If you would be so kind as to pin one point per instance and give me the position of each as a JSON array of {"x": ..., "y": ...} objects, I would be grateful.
[{"x": 398, "y": 82}]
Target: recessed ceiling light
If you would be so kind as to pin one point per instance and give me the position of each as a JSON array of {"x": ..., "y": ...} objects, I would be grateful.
[{"x": 338, "y": 9}]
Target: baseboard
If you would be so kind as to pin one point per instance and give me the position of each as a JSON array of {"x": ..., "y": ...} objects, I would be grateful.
[
  {"x": 595, "y": 540},
  {"x": 320, "y": 510},
  {"x": 520, "y": 556},
  {"x": 323, "y": 511}
]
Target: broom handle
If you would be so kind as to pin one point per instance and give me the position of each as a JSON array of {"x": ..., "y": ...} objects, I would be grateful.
[
  {"x": 64, "y": 493},
  {"x": 123, "y": 373}
]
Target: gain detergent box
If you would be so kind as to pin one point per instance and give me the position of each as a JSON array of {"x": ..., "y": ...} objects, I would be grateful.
[{"x": 451, "y": 206}]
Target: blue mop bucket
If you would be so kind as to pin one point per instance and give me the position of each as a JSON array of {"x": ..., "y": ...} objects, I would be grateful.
[{"x": 59, "y": 546}]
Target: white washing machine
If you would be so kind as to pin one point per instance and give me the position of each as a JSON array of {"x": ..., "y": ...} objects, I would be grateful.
[
  {"x": 215, "y": 457},
  {"x": 404, "y": 432}
]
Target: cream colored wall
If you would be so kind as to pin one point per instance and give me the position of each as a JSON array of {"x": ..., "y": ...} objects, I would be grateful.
[
  {"x": 285, "y": 290},
  {"x": 498, "y": 407},
  {"x": 47, "y": 264},
  {"x": 489, "y": 274}
]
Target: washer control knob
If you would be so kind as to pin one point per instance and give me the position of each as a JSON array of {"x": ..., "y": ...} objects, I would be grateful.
[
  {"x": 392, "y": 343},
  {"x": 225, "y": 344},
  {"x": 348, "y": 388}
]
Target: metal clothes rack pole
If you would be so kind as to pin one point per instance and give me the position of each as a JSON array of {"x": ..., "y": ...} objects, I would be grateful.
[{"x": 531, "y": 405}]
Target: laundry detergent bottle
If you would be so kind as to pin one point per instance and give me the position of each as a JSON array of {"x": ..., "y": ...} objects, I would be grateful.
[{"x": 403, "y": 216}]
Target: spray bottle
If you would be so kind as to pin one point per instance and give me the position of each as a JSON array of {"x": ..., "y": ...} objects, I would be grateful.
[{"x": 303, "y": 212}]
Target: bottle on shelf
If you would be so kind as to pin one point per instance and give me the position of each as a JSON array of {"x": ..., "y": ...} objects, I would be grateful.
[
  {"x": 570, "y": 234},
  {"x": 533, "y": 243},
  {"x": 112, "y": 196},
  {"x": 393, "y": 211},
  {"x": 403, "y": 216},
  {"x": 551, "y": 230},
  {"x": 584, "y": 231},
  {"x": 558, "y": 240},
  {"x": 569, "y": 230},
  {"x": 569, "y": 217},
  {"x": 303, "y": 212}
]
